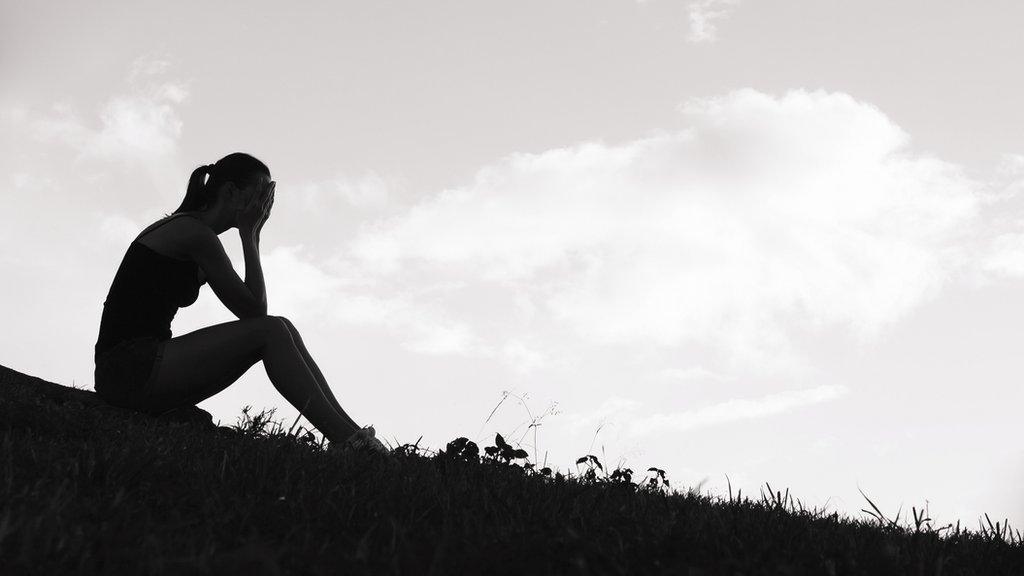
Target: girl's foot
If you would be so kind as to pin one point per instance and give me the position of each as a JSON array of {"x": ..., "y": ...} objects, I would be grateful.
[{"x": 363, "y": 439}]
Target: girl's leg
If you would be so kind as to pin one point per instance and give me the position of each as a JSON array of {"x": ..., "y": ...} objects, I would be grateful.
[
  {"x": 324, "y": 388},
  {"x": 200, "y": 364}
]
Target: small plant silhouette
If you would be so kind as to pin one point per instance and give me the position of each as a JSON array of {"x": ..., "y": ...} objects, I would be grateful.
[
  {"x": 414, "y": 449},
  {"x": 1004, "y": 534},
  {"x": 503, "y": 451},
  {"x": 535, "y": 421},
  {"x": 777, "y": 500},
  {"x": 591, "y": 461},
  {"x": 622, "y": 477},
  {"x": 462, "y": 449},
  {"x": 659, "y": 474}
]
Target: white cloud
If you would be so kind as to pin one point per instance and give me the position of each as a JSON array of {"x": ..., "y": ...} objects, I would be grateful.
[
  {"x": 691, "y": 373},
  {"x": 622, "y": 412},
  {"x": 147, "y": 66},
  {"x": 765, "y": 213},
  {"x": 704, "y": 16},
  {"x": 118, "y": 229},
  {"x": 136, "y": 126},
  {"x": 60, "y": 124},
  {"x": 441, "y": 339},
  {"x": 26, "y": 182},
  {"x": 301, "y": 287},
  {"x": 27, "y": 221},
  {"x": 296, "y": 287},
  {"x": 1011, "y": 165},
  {"x": 1005, "y": 257},
  {"x": 613, "y": 406},
  {"x": 733, "y": 411},
  {"x": 140, "y": 124},
  {"x": 421, "y": 325},
  {"x": 998, "y": 243},
  {"x": 523, "y": 358},
  {"x": 370, "y": 190}
]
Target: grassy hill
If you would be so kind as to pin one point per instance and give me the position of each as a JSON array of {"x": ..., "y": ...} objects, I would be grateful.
[{"x": 86, "y": 488}]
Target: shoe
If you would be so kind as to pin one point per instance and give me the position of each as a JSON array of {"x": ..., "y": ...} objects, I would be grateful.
[{"x": 363, "y": 439}]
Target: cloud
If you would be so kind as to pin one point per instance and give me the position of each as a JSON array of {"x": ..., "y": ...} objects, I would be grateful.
[
  {"x": 423, "y": 327},
  {"x": 137, "y": 126},
  {"x": 734, "y": 410},
  {"x": 147, "y": 66},
  {"x": 370, "y": 190},
  {"x": 118, "y": 229},
  {"x": 28, "y": 183},
  {"x": 704, "y": 15},
  {"x": 297, "y": 287},
  {"x": 523, "y": 358},
  {"x": 613, "y": 406},
  {"x": 441, "y": 339},
  {"x": 27, "y": 227},
  {"x": 301, "y": 287},
  {"x": 622, "y": 412},
  {"x": 691, "y": 373},
  {"x": 140, "y": 124},
  {"x": 1001, "y": 241},
  {"x": 765, "y": 214},
  {"x": 1005, "y": 257}
]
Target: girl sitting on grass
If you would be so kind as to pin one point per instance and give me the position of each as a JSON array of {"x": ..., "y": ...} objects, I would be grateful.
[{"x": 140, "y": 366}]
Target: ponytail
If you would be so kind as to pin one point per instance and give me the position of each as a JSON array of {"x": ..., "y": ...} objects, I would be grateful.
[
  {"x": 237, "y": 167},
  {"x": 196, "y": 196}
]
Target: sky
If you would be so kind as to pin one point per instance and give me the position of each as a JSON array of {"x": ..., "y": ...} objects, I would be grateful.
[{"x": 747, "y": 242}]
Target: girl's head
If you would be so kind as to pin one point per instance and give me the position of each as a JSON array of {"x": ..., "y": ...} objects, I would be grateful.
[{"x": 234, "y": 177}]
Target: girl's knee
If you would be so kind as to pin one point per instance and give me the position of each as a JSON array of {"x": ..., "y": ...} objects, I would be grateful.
[
  {"x": 272, "y": 328},
  {"x": 286, "y": 322}
]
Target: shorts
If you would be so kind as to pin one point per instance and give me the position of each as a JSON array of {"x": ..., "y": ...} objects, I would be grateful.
[{"x": 124, "y": 373}]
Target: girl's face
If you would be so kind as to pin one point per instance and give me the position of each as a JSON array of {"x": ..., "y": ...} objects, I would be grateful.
[{"x": 239, "y": 198}]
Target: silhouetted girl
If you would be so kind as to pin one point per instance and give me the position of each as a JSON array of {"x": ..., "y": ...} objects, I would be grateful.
[{"x": 140, "y": 366}]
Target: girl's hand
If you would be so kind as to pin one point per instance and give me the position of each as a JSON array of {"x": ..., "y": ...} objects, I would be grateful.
[
  {"x": 268, "y": 203},
  {"x": 252, "y": 215}
]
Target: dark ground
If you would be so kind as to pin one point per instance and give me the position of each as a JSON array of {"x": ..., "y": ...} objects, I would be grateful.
[{"x": 87, "y": 488}]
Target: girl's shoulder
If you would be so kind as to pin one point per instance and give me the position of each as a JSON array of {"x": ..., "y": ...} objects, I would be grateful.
[{"x": 170, "y": 234}]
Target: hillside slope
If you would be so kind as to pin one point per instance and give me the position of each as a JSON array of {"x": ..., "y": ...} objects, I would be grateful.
[{"x": 87, "y": 488}]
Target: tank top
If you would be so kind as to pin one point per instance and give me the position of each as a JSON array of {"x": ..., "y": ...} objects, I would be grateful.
[{"x": 146, "y": 293}]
